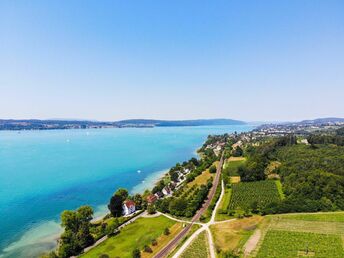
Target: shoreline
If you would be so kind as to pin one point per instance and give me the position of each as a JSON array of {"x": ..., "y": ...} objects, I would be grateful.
[
  {"x": 41, "y": 237},
  {"x": 39, "y": 234}
]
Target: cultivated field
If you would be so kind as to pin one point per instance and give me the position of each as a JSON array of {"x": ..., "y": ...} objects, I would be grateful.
[
  {"x": 285, "y": 244},
  {"x": 135, "y": 235},
  {"x": 198, "y": 248},
  {"x": 302, "y": 235},
  {"x": 245, "y": 193}
]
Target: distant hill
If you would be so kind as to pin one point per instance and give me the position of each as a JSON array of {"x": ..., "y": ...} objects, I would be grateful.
[
  {"x": 35, "y": 124},
  {"x": 327, "y": 120},
  {"x": 198, "y": 122}
]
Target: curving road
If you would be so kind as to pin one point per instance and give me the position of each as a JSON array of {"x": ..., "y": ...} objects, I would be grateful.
[{"x": 168, "y": 248}]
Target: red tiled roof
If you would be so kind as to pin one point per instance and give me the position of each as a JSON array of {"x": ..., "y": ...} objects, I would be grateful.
[
  {"x": 129, "y": 203},
  {"x": 151, "y": 198}
]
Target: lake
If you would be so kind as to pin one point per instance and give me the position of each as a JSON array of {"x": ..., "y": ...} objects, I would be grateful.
[{"x": 43, "y": 173}]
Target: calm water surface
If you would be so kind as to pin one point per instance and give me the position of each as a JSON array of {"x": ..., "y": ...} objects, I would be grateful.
[{"x": 45, "y": 172}]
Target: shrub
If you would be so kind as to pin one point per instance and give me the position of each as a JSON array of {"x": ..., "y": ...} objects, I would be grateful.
[
  {"x": 154, "y": 242},
  {"x": 151, "y": 209},
  {"x": 166, "y": 231},
  {"x": 147, "y": 249},
  {"x": 136, "y": 253},
  {"x": 212, "y": 169}
]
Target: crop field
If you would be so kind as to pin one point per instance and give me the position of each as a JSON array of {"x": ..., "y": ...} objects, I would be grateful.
[
  {"x": 320, "y": 216},
  {"x": 285, "y": 244},
  {"x": 245, "y": 193},
  {"x": 198, "y": 248},
  {"x": 302, "y": 235}
]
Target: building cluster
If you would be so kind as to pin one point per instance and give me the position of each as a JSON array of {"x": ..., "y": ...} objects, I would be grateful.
[
  {"x": 168, "y": 190},
  {"x": 216, "y": 147}
]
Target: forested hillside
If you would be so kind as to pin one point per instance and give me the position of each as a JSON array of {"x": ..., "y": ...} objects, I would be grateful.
[{"x": 312, "y": 175}]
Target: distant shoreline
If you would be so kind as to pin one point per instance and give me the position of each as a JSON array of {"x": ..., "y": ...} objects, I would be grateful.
[{"x": 34, "y": 124}]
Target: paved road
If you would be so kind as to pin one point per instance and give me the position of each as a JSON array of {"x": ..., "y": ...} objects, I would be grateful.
[{"x": 168, "y": 248}]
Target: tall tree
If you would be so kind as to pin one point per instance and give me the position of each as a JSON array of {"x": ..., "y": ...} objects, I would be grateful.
[{"x": 115, "y": 205}]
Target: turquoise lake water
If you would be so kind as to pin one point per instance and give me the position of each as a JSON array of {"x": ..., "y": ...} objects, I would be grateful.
[{"x": 45, "y": 172}]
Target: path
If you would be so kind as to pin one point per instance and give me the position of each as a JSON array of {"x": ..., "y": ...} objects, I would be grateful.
[
  {"x": 205, "y": 227},
  {"x": 168, "y": 248},
  {"x": 252, "y": 242}
]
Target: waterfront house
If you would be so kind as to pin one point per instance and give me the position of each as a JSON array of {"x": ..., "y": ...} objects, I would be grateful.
[
  {"x": 151, "y": 198},
  {"x": 159, "y": 195},
  {"x": 128, "y": 207},
  {"x": 166, "y": 191}
]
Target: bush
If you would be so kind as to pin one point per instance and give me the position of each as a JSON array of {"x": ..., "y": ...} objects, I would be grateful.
[
  {"x": 147, "y": 249},
  {"x": 154, "y": 242},
  {"x": 136, "y": 253},
  {"x": 151, "y": 209},
  {"x": 212, "y": 169},
  {"x": 166, "y": 232}
]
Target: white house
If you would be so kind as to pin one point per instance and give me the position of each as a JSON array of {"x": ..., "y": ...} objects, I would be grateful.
[
  {"x": 166, "y": 191},
  {"x": 128, "y": 207}
]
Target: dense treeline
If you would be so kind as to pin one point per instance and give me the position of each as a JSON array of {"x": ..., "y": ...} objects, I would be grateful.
[
  {"x": 259, "y": 158},
  {"x": 337, "y": 138},
  {"x": 312, "y": 175}
]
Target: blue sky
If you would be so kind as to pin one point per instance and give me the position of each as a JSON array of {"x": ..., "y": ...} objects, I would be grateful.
[{"x": 109, "y": 60}]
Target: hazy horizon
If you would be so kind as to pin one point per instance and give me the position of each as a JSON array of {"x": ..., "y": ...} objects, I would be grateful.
[{"x": 115, "y": 60}]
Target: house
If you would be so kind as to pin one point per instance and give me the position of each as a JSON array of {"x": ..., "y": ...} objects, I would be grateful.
[
  {"x": 159, "y": 195},
  {"x": 166, "y": 191},
  {"x": 128, "y": 207},
  {"x": 151, "y": 198}
]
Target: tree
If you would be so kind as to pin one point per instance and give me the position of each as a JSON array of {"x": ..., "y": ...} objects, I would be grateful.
[
  {"x": 136, "y": 253},
  {"x": 151, "y": 209},
  {"x": 147, "y": 249},
  {"x": 174, "y": 176},
  {"x": 166, "y": 231},
  {"x": 76, "y": 235},
  {"x": 212, "y": 169},
  {"x": 115, "y": 205},
  {"x": 178, "y": 206},
  {"x": 138, "y": 201},
  {"x": 238, "y": 152},
  {"x": 123, "y": 193}
]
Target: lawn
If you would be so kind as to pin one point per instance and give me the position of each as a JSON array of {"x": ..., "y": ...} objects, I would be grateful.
[
  {"x": 231, "y": 165},
  {"x": 221, "y": 213},
  {"x": 284, "y": 244},
  {"x": 280, "y": 189},
  {"x": 135, "y": 235},
  {"x": 163, "y": 240},
  {"x": 234, "y": 179},
  {"x": 198, "y": 248},
  {"x": 245, "y": 193},
  {"x": 232, "y": 235}
]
